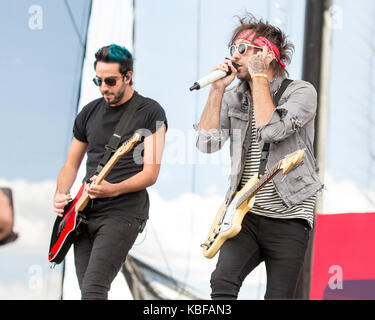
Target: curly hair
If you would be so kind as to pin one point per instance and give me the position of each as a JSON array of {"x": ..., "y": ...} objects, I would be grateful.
[{"x": 270, "y": 32}]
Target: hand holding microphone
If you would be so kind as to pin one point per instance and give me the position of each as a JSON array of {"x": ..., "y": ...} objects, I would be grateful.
[{"x": 227, "y": 70}]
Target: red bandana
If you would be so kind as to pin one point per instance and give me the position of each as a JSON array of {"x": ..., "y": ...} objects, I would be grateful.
[{"x": 249, "y": 35}]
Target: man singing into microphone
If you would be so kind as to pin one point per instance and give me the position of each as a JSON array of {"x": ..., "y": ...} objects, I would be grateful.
[{"x": 276, "y": 230}]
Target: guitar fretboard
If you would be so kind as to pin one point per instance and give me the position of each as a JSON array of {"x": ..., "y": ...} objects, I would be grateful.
[{"x": 261, "y": 182}]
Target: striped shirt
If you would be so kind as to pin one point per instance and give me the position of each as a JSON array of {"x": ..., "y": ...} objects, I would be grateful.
[{"x": 267, "y": 202}]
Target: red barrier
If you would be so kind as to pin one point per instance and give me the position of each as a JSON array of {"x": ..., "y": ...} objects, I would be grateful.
[{"x": 343, "y": 264}]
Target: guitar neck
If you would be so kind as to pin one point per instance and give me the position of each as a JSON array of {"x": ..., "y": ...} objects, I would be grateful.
[
  {"x": 259, "y": 185},
  {"x": 107, "y": 168}
]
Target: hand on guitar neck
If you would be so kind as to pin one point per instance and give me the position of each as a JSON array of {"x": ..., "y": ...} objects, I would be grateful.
[{"x": 103, "y": 190}]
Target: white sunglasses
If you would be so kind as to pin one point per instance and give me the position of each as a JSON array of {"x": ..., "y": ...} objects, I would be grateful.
[{"x": 242, "y": 48}]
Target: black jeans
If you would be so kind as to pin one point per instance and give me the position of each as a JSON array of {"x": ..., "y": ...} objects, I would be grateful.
[
  {"x": 100, "y": 249},
  {"x": 280, "y": 243}
]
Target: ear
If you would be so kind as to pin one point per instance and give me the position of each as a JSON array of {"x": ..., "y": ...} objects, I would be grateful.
[
  {"x": 128, "y": 76},
  {"x": 271, "y": 56}
]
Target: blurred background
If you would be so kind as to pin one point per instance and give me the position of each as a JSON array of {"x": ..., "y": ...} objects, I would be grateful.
[{"x": 47, "y": 57}]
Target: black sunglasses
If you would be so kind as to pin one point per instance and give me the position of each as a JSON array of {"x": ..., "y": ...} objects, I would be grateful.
[{"x": 110, "y": 81}]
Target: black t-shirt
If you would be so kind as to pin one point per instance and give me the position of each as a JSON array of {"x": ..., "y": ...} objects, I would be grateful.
[{"x": 95, "y": 125}]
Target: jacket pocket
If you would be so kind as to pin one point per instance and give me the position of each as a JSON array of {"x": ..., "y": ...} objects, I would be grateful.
[{"x": 299, "y": 182}]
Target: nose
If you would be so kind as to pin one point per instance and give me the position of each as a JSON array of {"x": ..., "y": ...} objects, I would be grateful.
[
  {"x": 104, "y": 89},
  {"x": 103, "y": 86},
  {"x": 236, "y": 55}
]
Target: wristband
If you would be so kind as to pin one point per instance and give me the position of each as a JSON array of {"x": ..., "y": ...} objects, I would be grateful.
[{"x": 260, "y": 75}]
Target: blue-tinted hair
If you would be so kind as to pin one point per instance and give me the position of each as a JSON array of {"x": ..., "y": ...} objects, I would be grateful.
[{"x": 117, "y": 53}]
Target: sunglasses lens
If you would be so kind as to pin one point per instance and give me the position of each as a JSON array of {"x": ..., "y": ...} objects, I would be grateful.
[
  {"x": 242, "y": 48},
  {"x": 232, "y": 50},
  {"x": 97, "y": 81},
  {"x": 110, "y": 82}
]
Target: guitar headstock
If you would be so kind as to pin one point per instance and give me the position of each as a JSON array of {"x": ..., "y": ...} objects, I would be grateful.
[
  {"x": 291, "y": 160},
  {"x": 129, "y": 144}
]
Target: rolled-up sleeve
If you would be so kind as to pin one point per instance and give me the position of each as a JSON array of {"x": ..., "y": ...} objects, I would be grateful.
[
  {"x": 298, "y": 109},
  {"x": 212, "y": 140}
]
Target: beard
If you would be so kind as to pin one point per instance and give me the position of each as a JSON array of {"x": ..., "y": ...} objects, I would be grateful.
[{"x": 115, "y": 98}]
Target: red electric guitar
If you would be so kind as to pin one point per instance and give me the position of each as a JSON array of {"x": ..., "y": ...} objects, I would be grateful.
[{"x": 64, "y": 228}]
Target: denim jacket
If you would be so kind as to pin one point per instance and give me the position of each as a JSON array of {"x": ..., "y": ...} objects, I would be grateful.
[{"x": 290, "y": 128}]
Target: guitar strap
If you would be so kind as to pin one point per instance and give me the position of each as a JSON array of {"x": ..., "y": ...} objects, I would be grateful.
[
  {"x": 115, "y": 139},
  {"x": 266, "y": 146}
]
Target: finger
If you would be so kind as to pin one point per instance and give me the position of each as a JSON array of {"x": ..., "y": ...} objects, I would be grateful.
[
  {"x": 60, "y": 198},
  {"x": 227, "y": 64},
  {"x": 88, "y": 187},
  {"x": 59, "y": 212},
  {"x": 92, "y": 196},
  {"x": 234, "y": 70},
  {"x": 93, "y": 191},
  {"x": 259, "y": 55},
  {"x": 60, "y": 204},
  {"x": 265, "y": 51},
  {"x": 222, "y": 66},
  {"x": 59, "y": 208},
  {"x": 94, "y": 188}
]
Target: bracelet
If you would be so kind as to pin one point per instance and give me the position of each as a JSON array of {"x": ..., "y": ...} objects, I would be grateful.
[{"x": 254, "y": 75}]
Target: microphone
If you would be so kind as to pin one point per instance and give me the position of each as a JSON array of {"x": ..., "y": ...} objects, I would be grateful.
[{"x": 212, "y": 77}]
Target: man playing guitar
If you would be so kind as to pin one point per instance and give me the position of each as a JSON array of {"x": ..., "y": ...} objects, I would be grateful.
[{"x": 118, "y": 207}]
